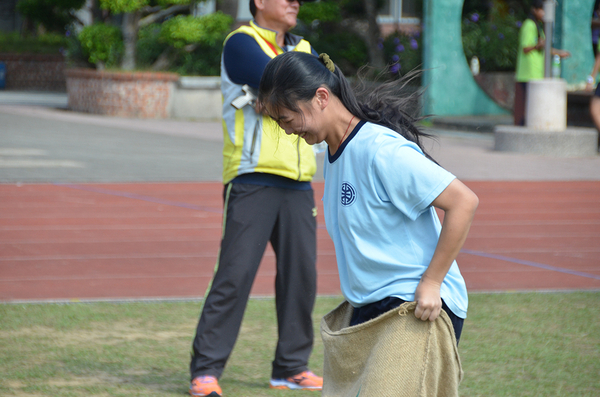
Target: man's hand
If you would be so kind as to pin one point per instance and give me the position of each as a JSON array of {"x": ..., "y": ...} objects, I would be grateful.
[{"x": 429, "y": 302}]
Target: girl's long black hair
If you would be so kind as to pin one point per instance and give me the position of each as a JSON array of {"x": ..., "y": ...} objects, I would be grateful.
[
  {"x": 293, "y": 77},
  {"x": 538, "y": 4}
]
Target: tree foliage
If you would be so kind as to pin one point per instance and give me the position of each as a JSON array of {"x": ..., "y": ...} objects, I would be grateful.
[
  {"x": 184, "y": 44},
  {"x": 351, "y": 25},
  {"x": 139, "y": 13},
  {"x": 184, "y": 30},
  {"x": 123, "y": 6},
  {"x": 101, "y": 44},
  {"x": 322, "y": 11}
]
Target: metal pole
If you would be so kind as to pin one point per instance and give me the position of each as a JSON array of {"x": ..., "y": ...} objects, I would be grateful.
[
  {"x": 548, "y": 32},
  {"x": 397, "y": 11}
]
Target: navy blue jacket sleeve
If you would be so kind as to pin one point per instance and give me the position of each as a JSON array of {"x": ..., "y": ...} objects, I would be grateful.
[{"x": 244, "y": 60}]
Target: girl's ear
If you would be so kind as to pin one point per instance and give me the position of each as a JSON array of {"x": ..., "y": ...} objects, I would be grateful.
[{"x": 322, "y": 97}]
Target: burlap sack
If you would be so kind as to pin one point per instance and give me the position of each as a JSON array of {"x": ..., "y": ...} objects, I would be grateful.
[{"x": 395, "y": 355}]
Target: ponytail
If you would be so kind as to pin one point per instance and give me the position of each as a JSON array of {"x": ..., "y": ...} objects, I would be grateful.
[{"x": 294, "y": 77}]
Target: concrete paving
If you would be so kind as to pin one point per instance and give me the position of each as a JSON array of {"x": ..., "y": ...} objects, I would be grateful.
[{"x": 42, "y": 142}]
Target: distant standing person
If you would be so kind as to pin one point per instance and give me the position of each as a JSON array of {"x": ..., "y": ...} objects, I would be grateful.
[
  {"x": 530, "y": 57},
  {"x": 595, "y": 100},
  {"x": 267, "y": 198}
]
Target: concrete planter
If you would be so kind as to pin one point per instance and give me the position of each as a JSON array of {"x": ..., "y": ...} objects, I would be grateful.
[
  {"x": 198, "y": 98},
  {"x": 121, "y": 94}
]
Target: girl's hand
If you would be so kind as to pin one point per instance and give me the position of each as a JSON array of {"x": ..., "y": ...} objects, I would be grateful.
[
  {"x": 429, "y": 302},
  {"x": 563, "y": 53},
  {"x": 540, "y": 44}
]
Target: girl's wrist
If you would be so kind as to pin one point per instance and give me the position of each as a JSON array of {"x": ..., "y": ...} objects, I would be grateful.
[{"x": 591, "y": 79}]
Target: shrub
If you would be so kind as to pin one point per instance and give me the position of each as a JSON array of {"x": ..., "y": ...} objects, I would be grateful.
[
  {"x": 494, "y": 42},
  {"x": 492, "y": 34},
  {"x": 403, "y": 52},
  {"x": 49, "y": 43},
  {"x": 101, "y": 44}
]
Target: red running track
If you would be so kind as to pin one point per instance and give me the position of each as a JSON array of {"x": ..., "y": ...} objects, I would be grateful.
[{"x": 160, "y": 240}]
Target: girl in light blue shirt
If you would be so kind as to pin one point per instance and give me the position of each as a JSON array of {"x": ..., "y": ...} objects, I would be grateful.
[{"x": 381, "y": 190}]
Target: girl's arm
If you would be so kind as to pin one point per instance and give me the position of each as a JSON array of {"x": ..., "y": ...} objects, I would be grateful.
[
  {"x": 536, "y": 47},
  {"x": 561, "y": 53},
  {"x": 459, "y": 204}
]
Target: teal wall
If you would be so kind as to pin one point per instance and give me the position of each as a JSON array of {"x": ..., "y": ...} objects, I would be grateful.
[
  {"x": 573, "y": 33},
  {"x": 451, "y": 89}
]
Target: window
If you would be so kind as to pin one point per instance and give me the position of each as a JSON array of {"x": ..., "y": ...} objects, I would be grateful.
[{"x": 401, "y": 12}]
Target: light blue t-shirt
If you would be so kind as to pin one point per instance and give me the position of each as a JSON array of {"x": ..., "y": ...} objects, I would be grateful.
[{"x": 377, "y": 204}]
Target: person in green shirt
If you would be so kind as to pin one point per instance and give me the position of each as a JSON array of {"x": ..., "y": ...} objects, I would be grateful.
[
  {"x": 591, "y": 84},
  {"x": 530, "y": 57},
  {"x": 591, "y": 78}
]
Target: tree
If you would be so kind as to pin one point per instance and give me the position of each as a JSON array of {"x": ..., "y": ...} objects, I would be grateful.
[
  {"x": 356, "y": 16},
  {"x": 140, "y": 13},
  {"x": 373, "y": 34},
  {"x": 53, "y": 15},
  {"x": 186, "y": 34}
]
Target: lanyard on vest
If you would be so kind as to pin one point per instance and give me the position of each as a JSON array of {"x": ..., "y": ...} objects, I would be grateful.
[{"x": 271, "y": 46}]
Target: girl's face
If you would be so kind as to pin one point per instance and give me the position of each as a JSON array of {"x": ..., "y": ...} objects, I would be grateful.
[{"x": 304, "y": 123}]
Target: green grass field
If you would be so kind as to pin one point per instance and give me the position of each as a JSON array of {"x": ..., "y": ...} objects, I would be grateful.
[{"x": 530, "y": 344}]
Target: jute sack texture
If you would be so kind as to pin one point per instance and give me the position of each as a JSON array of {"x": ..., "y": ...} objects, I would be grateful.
[{"x": 395, "y": 355}]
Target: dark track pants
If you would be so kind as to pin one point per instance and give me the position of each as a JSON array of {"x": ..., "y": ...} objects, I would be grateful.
[{"x": 253, "y": 216}]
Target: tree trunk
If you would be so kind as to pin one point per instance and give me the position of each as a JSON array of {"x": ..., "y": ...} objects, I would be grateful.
[
  {"x": 130, "y": 33},
  {"x": 229, "y": 7},
  {"x": 164, "y": 60},
  {"x": 376, "y": 58},
  {"x": 96, "y": 11}
]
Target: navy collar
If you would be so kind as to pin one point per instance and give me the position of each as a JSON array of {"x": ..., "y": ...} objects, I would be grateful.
[{"x": 338, "y": 153}]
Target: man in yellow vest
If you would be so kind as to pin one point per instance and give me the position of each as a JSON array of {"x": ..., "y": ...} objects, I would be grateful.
[{"x": 267, "y": 198}]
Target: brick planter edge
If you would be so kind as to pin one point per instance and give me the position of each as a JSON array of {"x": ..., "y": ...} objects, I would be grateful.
[
  {"x": 122, "y": 94},
  {"x": 34, "y": 72}
]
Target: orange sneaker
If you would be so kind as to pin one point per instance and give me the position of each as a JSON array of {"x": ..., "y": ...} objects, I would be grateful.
[
  {"x": 205, "y": 386},
  {"x": 303, "y": 381}
]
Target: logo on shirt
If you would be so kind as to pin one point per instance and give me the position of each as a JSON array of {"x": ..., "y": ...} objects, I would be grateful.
[{"x": 348, "y": 194}]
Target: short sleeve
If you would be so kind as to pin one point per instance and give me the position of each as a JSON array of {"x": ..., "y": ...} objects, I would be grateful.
[
  {"x": 408, "y": 179},
  {"x": 528, "y": 36}
]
